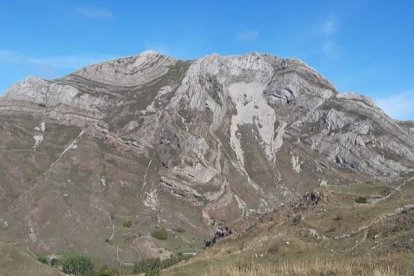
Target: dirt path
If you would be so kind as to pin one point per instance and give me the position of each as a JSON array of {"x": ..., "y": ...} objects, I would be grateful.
[
  {"x": 393, "y": 192},
  {"x": 382, "y": 218}
]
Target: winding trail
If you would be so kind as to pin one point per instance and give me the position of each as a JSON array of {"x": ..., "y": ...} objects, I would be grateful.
[
  {"x": 113, "y": 229},
  {"x": 382, "y": 218},
  {"x": 393, "y": 192}
]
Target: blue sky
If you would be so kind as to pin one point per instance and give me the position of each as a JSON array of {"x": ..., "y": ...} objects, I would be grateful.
[{"x": 363, "y": 46}]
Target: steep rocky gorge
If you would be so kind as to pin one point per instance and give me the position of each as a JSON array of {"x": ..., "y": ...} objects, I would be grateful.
[{"x": 169, "y": 143}]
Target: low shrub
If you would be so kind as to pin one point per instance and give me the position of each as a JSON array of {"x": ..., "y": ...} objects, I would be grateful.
[
  {"x": 273, "y": 249},
  {"x": 107, "y": 271},
  {"x": 160, "y": 233},
  {"x": 179, "y": 230},
  {"x": 54, "y": 262},
  {"x": 361, "y": 200},
  {"x": 297, "y": 219},
  {"x": 127, "y": 224},
  {"x": 43, "y": 260}
]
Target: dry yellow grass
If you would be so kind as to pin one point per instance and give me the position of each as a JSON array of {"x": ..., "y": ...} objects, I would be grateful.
[
  {"x": 312, "y": 268},
  {"x": 16, "y": 262},
  {"x": 388, "y": 266}
]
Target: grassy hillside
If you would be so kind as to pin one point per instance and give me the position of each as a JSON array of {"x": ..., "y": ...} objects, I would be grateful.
[
  {"x": 359, "y": 229},
  {"x": 16, "y": 262},
  {"x": 356, "y": 229}
]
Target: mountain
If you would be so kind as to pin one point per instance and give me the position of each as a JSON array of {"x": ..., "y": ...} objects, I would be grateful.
[{"x": 100, "y": 160}]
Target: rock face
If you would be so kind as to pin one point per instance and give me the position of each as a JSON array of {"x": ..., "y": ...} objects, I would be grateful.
[{"x": 171, "y": 143}]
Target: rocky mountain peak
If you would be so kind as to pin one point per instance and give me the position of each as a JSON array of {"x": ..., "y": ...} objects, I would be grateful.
[{"x": 129, "y": 71}]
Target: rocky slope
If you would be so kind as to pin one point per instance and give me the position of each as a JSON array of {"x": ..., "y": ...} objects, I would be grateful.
[{"x": 161, "y": 142}]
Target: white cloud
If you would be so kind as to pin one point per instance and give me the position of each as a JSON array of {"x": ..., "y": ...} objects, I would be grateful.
[
  {"x": 329, "y": 27},
  {"x": 95, "y": 12},
  {"x": 69, "y": 61},
  {"x": 248, "y": 35},
  {"x": 328, "y": 31},
  {"x": 398, "y": 106}
]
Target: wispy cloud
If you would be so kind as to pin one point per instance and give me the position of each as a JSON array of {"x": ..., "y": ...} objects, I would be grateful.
[
  {"x": 64, "y": 61},
  {"x": 248, "y": 35},
  {"x": 95, "y": 12},
  {"x": 329, "y": 26},
  {"x": 398, "y": 106},
  {"x": 328, "y": 30}
]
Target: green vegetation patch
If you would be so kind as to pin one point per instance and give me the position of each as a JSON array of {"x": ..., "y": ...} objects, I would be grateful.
[
  {"x": 361, "y": 200},
  {"x": 179, "y": 230},
  {"x": 155, "y": 265},
  {"x": 160, "y": 233},
  {"x": 43, "y": 260},
  {"x": 127, "y": 224},
  {"x": 78, "y": 265}
]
